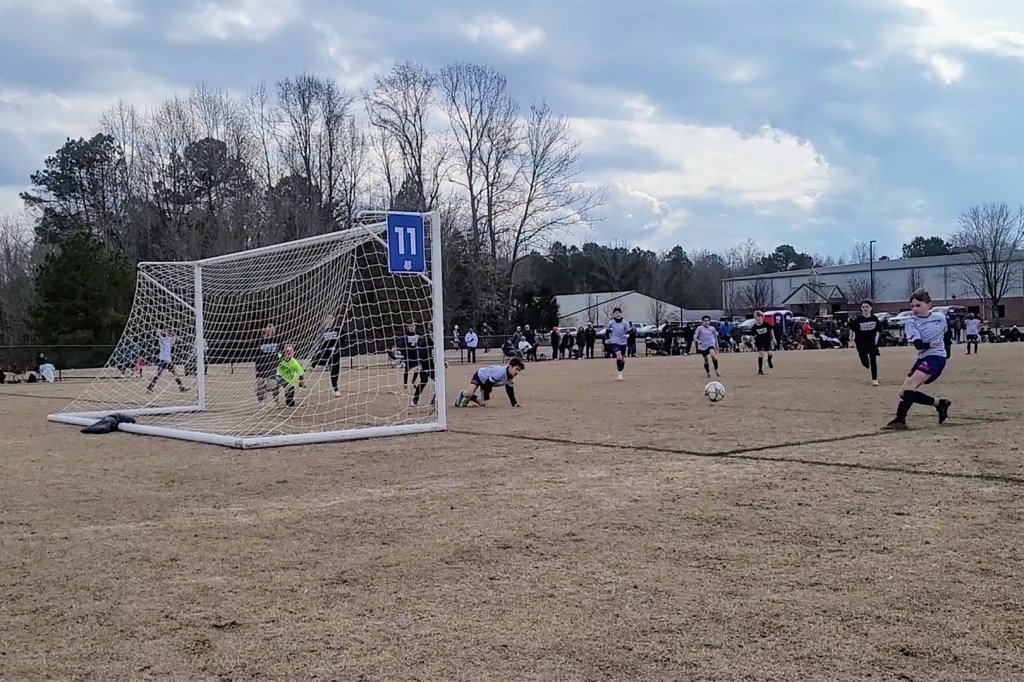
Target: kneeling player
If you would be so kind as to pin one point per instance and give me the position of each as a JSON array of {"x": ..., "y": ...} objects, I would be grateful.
[
  {"x": 764, "y": 341},
  {"x": 486, "y": 379},
  {"x": 289, "y": 376}
]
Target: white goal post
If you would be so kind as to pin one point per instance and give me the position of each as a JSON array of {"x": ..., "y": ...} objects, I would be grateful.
[{"x": 207, "y": 351}]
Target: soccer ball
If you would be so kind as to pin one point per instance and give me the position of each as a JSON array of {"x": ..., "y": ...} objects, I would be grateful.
[{"x": 714, "y": 391}]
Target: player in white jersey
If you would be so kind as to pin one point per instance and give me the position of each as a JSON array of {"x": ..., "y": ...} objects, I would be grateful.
[
  {"x": 706, "y": 337},
  {"x": 973, "y": 328},
  {"x": 925, "y": 331},
  {"x": 617, "y": 331},
  {"x": 165, "y": 360},
  {"x": 488, "y": 378}
]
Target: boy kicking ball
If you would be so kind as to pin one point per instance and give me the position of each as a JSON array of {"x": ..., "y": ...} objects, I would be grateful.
[
  {"x": 487, "y": 379},
  {"x": 925, "y": 331}
]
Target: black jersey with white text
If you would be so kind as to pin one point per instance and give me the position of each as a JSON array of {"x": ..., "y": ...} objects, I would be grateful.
[
  {"x": 762, "y": 332},
  {"x": 267, "y": 354},
  {"x": 866, "y": 330}
]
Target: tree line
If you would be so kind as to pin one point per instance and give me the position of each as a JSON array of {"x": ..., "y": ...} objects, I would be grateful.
[{"x": 209, "y": 172}]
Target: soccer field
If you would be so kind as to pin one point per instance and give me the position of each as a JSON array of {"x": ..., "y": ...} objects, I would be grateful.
[{"x": 603, "y": 531}]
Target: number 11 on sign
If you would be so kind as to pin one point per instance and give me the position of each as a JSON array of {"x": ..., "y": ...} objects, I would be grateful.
[{"x": 405, "y": 243}]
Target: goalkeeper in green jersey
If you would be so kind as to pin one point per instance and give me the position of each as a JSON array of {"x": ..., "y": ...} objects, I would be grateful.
[{"x": 289, "y": 375}]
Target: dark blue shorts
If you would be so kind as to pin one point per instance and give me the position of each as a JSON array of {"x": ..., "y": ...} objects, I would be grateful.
[
  {"x": 614, "y": 348},
  {"x": 931, "y": 365}
]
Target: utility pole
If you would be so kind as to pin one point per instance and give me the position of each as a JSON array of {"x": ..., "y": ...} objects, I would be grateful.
[{"x": 871, "y": 268}]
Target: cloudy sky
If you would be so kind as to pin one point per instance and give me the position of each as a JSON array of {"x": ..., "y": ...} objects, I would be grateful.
[{"x": 812, "y": 122}]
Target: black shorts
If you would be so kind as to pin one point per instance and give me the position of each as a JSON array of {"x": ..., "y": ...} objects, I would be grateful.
[
  {"x": 762, "y": 345},
  {"x": 974, "y": 337},
  {"x": 165, "y": 366},
  {"x": 868, "y": 350},
  {"x": 707, "y": 351},
  {"x": 266, "y": 372}
]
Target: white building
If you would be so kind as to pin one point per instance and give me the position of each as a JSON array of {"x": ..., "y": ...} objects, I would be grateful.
[
  {"x": 596, "y": 308},
  {"x": 951, "y": 280}
]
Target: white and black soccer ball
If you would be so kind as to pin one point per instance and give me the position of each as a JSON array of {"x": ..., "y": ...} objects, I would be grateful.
[{"x": 714, "y": 391}]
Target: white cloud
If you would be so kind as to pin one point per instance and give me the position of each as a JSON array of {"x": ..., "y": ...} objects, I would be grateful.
[
  {"x": 347, "y": 55},
  {"x": 113, "y": 13},
  {"x": 992, "y": 26},
  {"x": 944, "y": 28},
  {"x": 505, "y": 34},
  {"x": 945, "y": 69},
  {"x": 10, "y": 199},
  {"x": 688, "y": 161},
  {"x": 250, "y": 20},
  {"x": 35, "y": 113}
]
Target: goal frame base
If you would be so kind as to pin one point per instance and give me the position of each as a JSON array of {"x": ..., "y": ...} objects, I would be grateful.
[{"x": 241, "y": 442}]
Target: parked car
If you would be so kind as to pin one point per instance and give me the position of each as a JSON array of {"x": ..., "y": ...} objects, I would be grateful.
[
  {"x": 897, "y": 321},
  {"x": 951, "y": 312},
  {"x": 644, "y": 329}
]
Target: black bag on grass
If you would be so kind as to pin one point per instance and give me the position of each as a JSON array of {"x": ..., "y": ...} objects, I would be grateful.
[{"x": 108, "y": 423}]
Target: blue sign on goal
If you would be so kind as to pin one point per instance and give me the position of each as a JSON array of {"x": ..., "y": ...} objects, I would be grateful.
[{"x": 406, "y": 244}]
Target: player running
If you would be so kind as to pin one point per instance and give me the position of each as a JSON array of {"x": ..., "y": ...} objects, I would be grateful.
[
  {"x": 924, "y": 331},
  {"x": 617, "y": 331},
  {"x": 706, "y": 337},
  {"x": 764, "y": 342},
  {"x": 487, "y": 379},
  {"x": 867, "y": 330}
]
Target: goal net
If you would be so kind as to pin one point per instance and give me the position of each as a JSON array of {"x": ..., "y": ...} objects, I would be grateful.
[{"x": 206, "y": 354}]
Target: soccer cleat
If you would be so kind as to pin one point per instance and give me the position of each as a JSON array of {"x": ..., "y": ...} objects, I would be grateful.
[
  {"x": 874, "y": 382},
  {"x": 618, "y": 377},
  {"x": 335, "y": 393},
  {"x": 896, "y": 425},
  {"x": 942, "y": 407},
  {"x": 460, "y": 399},
  {"x": 760, "y": 372}
]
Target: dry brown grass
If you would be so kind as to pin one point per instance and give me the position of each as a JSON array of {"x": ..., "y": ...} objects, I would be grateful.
[{"x": 604, "y": 531}]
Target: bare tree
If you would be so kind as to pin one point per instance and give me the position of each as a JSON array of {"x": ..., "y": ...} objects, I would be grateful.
[
  {"x": 657, "y": 311},
  {"x": 399, "y": 104},
  {"x": 16, "y": 279},
  {"x": 262, "y": 116},
  {"x": 858, "y": 289},
  {"x": 992, "y": 235},
  {"x": 481, "y": 113},
  {"x": 614, "y": 265},
  {"x": 755, "y": 294},
  {"x": 745, "y": 258},
  {"x": 861, "y": 252},
  {"x": 593, "y": 317},
  {"x": 315, "y": 124},
  {"x": 549, "y": 195},
  {"x": 914, "y": 282}
]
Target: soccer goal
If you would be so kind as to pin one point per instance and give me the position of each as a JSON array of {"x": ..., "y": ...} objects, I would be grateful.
[{"x": 206, "y": 354}]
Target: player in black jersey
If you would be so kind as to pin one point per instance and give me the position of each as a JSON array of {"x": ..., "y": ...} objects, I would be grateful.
[
  {"x": 764, "y": 341},
  {"x": 329, "y": 355},
  {"x": 867, "y": 330},
  {"x": 425, "y": 360},
  {"x": 409, "y": 346}
]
